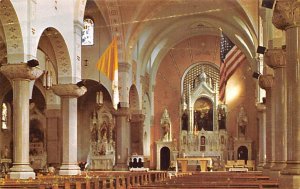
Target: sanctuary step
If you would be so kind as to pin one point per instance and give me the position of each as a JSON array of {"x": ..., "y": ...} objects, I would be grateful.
[{"x": 231, "y": 180}]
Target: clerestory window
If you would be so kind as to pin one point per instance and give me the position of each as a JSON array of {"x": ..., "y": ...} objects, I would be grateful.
[{"x": 88, "y": 32}]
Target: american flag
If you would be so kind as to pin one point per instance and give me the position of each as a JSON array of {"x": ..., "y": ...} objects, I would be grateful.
[{"x": 231, "y": 56}]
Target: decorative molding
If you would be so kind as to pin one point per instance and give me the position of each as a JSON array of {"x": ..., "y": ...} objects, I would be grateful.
[
  {"x": 286, "y": 14},
  {"x": 266, "y": 81},
  {"x": 12, "y": 29},
  {"x": 21, "y": 70},
  {"x": 115, "y": 19},
  {"x": 275, "y": 58},
  {"x": 69, "y": 90},
  {"x": 124, "y": 67}
]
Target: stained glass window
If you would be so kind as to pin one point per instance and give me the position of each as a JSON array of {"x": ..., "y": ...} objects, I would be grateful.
[
  {"x": 4, "y": 116},
  {"x": 88, "y": 32}
]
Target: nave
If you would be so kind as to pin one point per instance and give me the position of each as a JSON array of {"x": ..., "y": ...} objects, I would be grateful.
[{"x": 147, "y": 180}]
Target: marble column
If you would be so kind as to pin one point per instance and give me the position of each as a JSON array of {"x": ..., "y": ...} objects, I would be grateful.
[
  {"x": 266, "y": 82},
  {"x": 21, "y": 75},
  {"x": 123, "y": 149},
  {"x": 136, "y": 132},
  {"x": 286, "y": 16},
  {"x": 261, "y": 109},
  {"x": 277, "y": 61},
  {"x": 69, "y": 94}
]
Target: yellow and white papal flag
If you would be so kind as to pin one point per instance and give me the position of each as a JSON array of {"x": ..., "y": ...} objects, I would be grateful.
[{"x": 108, "y": 65}]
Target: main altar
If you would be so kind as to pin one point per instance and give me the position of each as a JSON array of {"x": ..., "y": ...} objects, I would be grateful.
[
  {"x": 203, "y": 134},
  {"x": 203, "y": 126}
]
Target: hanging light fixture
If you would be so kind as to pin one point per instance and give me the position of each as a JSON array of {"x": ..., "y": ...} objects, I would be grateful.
[
  {"x": 47, "y": 83},
  {"x": 99, "y": 98},
  {"x": 94, "y": 117},
  {"x": 47, "y": 80}
]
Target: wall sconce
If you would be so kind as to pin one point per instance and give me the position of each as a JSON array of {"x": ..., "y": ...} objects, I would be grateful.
[{"x": 99, "y": 98}]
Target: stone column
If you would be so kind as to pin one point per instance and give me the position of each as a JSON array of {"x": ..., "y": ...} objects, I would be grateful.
[
  {"x": 69, "y": 94},
  {"x": 123, "y": 138},
  {"x": 277, "y": 61},
  {"x": 286, "y": 16},
  {"x": 21, "y": 74},
  {"x": 261, "y": 109},
  {"x": 136, "y": 132},
  {"x": 266, "y": 82}
]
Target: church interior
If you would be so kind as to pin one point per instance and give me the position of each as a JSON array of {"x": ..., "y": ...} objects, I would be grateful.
[{"x": 132, "y": 93}]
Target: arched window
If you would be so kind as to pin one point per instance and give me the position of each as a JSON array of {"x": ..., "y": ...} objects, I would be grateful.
[
  {"x": 88, "y": 32},
  {"x": 4, "y": 116}
]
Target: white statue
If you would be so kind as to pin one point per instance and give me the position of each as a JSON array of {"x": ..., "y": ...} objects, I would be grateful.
[
  {"x": 242, "y": 122},
  {"x": 166, "y": 126}
]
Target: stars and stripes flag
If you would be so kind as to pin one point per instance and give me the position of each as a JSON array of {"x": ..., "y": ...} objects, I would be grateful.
[{"x": 231, "y": 57}]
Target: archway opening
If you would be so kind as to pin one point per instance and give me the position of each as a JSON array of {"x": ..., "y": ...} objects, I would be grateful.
[{"x": 164, "y": 158}]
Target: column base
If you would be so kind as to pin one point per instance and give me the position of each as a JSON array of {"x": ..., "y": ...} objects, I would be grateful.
[
  {"x": 21, "y": 171},
  {"x": 274, "y": 174},
  {"x": 289, "y": 182},
  {"x": 292, "y": 168},
  {"x": 267, "y": 167},
  {"x": 276, "y": 169},
  {"x": 69, "y": 170},
  {"x": 278, "y": 166},
  {"x": 22, "y": 175},
  {"x": 260, "y": 166}
]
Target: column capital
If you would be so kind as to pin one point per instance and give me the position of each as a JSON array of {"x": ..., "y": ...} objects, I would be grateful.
[
  {"x": 122, "y": 111},
  {"x": 21, "y": 70},
  {"x": 69, "y": 90},
  {"x": 286, "y": 14},
  {"x": 137, "y": 117},
  {"x": 261, "y": 107},
  {"x": 124, "y": 66},
  {"x": 266, "y": 81},
  {"x": 275, "y": 58}
]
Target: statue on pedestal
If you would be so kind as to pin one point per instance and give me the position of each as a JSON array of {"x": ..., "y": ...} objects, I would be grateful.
[
  {"x": 242, "y": 121},
  {"x": 166, "y": 126}
]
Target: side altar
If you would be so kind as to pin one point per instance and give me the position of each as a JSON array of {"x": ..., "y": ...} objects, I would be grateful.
[{"x": 102, "y": 143}]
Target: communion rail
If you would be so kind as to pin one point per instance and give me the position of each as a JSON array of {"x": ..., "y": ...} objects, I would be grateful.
[{"x": 88, "y": 180}]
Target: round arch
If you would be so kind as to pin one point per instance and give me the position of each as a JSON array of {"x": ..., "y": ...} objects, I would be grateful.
[
  {"x": 13, "y": 34},
  {"x": 134, "y": 103},
  {"x": 59, "y": 54}
]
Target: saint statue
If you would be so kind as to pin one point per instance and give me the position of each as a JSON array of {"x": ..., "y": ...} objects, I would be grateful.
[
  {"x": 242, "y": 122},
  {"x": 185, "y": 121},
  {"x": 166, "y": 126},
  {"x": 222, "y": 118}
]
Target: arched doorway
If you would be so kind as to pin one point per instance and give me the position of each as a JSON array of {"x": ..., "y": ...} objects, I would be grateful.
[
  {"x": 242, "y": 153},
  {"x": 164, "y": 158}
]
